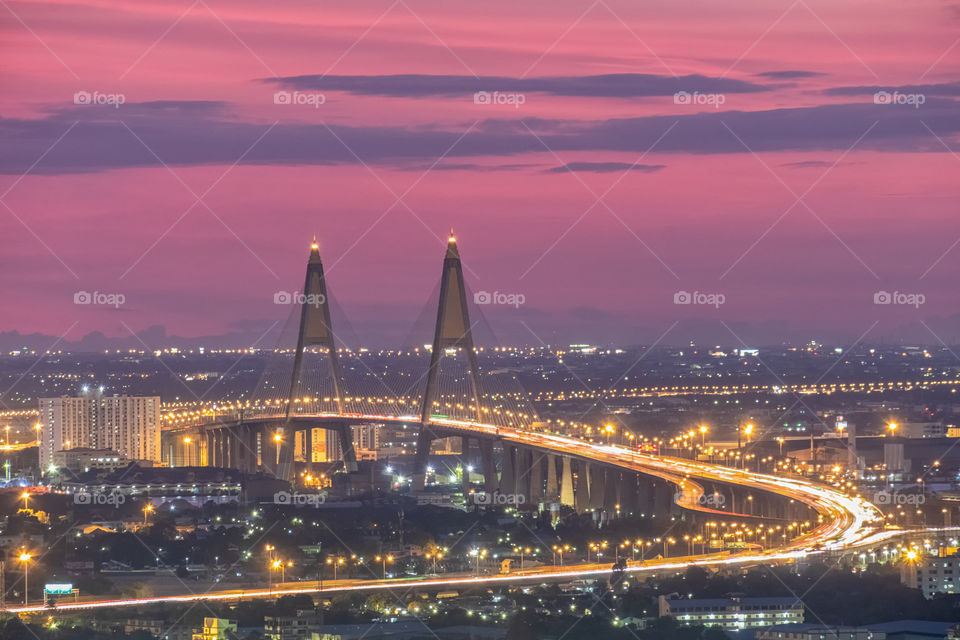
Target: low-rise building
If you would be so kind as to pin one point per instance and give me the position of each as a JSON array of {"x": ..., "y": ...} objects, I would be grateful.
[
  {"x": 296, "y": 627},
  {"x": 817, "y": 632},
  {"x": 732, "y": 613}
]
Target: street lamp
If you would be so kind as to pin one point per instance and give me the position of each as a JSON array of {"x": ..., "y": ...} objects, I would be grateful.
[
  {"x": 146, "y": 510},
  {"x": 435, "y": 556},
  {"x": 384, "y": 560},
  {"x": 25, "y": 559},
  {"x": 892, "y": 427},
  {"x": 278, "y": 438},
  {"x": 478, "y": 553},
  {"x": 703, "y": 435},
  {"x": 335, "y": 562},
  {"x": 521, "y": 551}
]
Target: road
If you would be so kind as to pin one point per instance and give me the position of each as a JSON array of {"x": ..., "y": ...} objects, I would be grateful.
[{"x": 847, "y": 522}]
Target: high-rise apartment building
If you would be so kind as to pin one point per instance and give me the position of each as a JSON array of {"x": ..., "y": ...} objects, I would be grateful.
[{"x": 129, "y": 425}]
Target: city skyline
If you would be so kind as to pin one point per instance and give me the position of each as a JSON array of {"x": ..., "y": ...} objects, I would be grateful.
[{"x": 596, "y": 159}]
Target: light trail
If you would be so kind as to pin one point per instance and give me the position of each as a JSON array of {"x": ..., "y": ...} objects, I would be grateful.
[{"x": 848, "y": 520}]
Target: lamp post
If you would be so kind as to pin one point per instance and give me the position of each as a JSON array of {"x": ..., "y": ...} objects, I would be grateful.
[
  {"x": 146, "y": 510},
  {"x": 25, "y": 559},
  {"x": 384, "y": 560}
]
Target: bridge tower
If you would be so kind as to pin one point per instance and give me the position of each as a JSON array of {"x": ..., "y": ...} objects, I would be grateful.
[
  {"x": 315, "y": 330},
  {"x": 453, "y": 331}
]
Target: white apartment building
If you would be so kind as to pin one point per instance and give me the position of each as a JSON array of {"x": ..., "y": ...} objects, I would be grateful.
[{"x": 129, "y": 425}]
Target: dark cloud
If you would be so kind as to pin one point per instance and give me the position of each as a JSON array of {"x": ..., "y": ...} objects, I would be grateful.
[
  {"x": 614, "y": 85},
  {"x": 104, "y": 139},
  {"x": 808, "y": 164},
  {"x": 605, "y": 167},
  {"x": 465, "y": 166},
  {"x": 943, "y": 89},
  {"x": 789, "y": 74}
]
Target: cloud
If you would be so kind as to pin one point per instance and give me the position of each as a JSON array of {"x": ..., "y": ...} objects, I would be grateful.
[
  {"x": 789, "y": 74},
  {"x": 943, "y": 89},
  {"x": 614, "y": 85},
  {"x": 104, "y": 139},
  {"x": 808, "y": 164},
  {"x": 605, "y": 167}
]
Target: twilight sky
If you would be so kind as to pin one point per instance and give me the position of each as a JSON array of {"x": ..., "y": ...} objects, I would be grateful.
[{"x": 633, "y": 151}]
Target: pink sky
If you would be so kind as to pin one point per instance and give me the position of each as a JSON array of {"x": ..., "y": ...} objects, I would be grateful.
[{"x": 107, "y": 206}]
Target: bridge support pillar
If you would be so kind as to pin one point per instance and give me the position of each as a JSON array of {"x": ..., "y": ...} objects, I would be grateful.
[
  {"x": 522, "y": 473},
  {"x": 308, "y": 445},
  {"x": 490, "y": 481},
  {"x": 536, "y": 476},
  {"x": 552, "y": 490},
  {"x": 206, "y": 458},
  {"x": 350, "y": 453},
  {"x": 465, "y": 466},
  {"x": 597, "y": 481},
  {"x": 422, "y": 454},
  {"x": 611, "y": 485},
  {"x": 567, "y": 496},
  {"x": 582, "y": 493},
  {"x": 283, "y": 453},
  {"x": 508, "y": 470}
]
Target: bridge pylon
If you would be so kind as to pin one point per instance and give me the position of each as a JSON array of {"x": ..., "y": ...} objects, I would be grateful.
[
  {"x": 453, "y": 331},
  {"x": 316, "y": 330}
]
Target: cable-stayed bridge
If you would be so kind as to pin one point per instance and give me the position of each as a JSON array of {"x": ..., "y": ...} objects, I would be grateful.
[{"x": 316, "y": 385}]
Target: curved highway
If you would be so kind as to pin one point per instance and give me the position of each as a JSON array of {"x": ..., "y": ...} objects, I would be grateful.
[{"x": 847, "y": 521}]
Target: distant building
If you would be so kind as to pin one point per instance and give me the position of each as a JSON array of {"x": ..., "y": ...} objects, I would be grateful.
[
  {"x": 326, "y": 443},
  {"x": 81, "y": 459},
  {"x": 128, "y": 425},
  {"x": 817, "y": 632},
  {"x": 296, "y": 627},
  {"x": 732, "y": 613},
  {"x": 938, "y": 575},
  {"x": 216, "y": 629}
]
